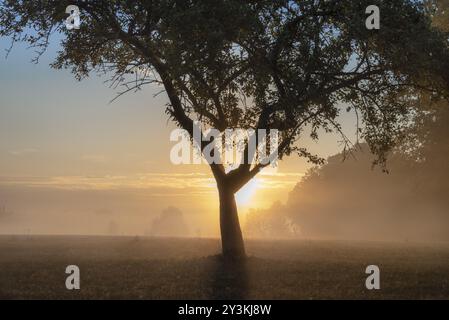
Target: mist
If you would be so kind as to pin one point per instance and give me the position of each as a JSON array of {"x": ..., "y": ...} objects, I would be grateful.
[
  {"x": 120, "y": 212},
  {"x": 349, "y": 199}
]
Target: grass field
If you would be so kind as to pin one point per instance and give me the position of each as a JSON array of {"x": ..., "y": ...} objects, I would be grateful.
[{"x": 150, "y": 268}]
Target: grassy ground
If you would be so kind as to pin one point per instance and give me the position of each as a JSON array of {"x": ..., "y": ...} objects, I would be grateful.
[{"x": 147, "y": 268}]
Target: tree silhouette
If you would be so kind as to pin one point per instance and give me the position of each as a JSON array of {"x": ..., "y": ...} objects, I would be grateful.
[{"x": 268, "y": 64}]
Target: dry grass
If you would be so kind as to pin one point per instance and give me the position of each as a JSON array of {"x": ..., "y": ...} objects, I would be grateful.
[{"x": 149, "y": 268}]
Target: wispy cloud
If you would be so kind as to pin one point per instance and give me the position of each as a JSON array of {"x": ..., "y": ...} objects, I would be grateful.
[
  {"x": 141, "y": 181},
  {"x": 23, "y": 152},
  {"x": 182, "y": 183}
]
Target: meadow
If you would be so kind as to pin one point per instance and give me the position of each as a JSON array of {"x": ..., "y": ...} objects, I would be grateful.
[{"x": 33, "y": 267}]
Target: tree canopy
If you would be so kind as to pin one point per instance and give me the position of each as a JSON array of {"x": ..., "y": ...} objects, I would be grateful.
[{"x": 256, "y": 64}]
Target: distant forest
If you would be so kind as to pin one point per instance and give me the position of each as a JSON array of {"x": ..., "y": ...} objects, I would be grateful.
[{"x": 349, "y": 198}]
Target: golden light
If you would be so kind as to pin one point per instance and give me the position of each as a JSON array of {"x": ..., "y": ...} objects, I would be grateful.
[{"x": 245, "y": 196}]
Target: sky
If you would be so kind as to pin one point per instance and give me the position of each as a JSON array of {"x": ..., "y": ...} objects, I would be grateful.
[{"x": 72, "y": 162}]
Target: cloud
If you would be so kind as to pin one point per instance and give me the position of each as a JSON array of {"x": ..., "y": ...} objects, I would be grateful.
[
  {"x": 23, "y": 152},
  {"x": 158, "y": 184},
  {"x": 139, "y": 181}
]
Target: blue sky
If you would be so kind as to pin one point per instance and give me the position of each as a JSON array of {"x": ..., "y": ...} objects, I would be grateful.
[{"x": 50, "y": 117}]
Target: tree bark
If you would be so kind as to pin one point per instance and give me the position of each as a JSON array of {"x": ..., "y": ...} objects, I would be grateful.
[{"x": 231, "y": 234}]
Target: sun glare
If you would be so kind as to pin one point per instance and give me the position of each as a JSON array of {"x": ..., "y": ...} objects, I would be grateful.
[{"x": 245, "y": 196}]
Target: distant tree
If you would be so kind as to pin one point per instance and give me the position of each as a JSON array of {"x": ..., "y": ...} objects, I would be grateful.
[
  {"x": 272, "y": 223},
  {"x": 4, "y": 212},
  {"x": 170, "y": 223},
  {"x": 113, "y": 228},
  {"x": 268, "y": 64}
]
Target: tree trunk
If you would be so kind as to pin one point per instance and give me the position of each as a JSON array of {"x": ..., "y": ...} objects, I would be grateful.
[{"x": 231, "y": 234}]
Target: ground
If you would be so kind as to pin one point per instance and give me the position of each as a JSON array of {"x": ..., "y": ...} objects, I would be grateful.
[{"x": 33, "y": 267}]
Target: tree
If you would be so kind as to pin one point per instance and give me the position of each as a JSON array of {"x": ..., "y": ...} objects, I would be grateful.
[
  {"x": 170, "y": 223},
  {"x": 268, "y": 64},
  {"x": 273, "y": 223}
]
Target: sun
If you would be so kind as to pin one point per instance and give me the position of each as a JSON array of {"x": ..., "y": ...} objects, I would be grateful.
[{"x": 245, "y": 195}]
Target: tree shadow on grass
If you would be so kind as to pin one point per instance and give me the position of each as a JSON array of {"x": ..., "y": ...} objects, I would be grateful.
[{"x": 230, "y": 279}]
